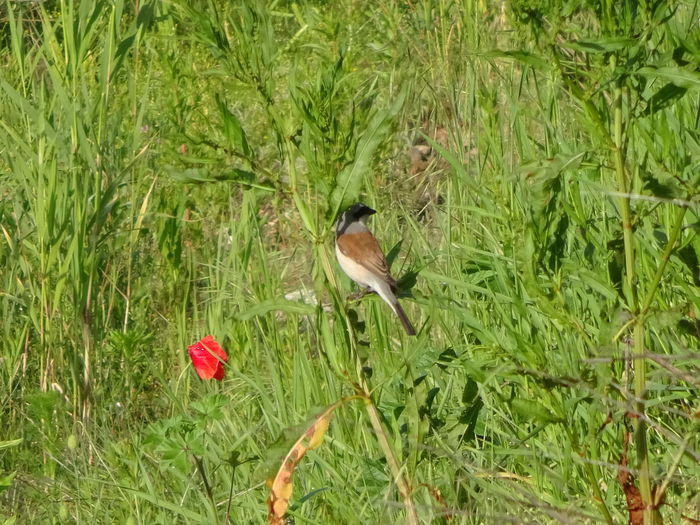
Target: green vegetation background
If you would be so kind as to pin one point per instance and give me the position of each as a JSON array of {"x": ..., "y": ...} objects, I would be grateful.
[{"x": 174, "y": 169}]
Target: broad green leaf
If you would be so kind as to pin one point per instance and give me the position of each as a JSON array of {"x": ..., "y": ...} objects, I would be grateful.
[
  {"x": 534, "y": 410},
  {"x": 233, "y": 130},
  {"x": 665, "y": 97},
  {"x": 676, "y": 75}
]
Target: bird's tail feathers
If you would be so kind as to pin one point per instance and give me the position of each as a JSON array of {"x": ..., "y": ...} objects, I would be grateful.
[
  {"x": 403, "y": 318},
  {"x": 383, "y": 288}
]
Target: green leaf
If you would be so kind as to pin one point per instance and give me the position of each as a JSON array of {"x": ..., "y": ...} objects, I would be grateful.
[
  {"x": 534, "y": 410},
  {"x": 474, "y": 370},
  {"x": 455, "y": 162},
  {"x": 40, "y": 123},
  {"x": 276, "y": 305},
  {"x": 234, "y": 131},
  {"x": 349, "y": 179},
  {"x": 674, "y": 74},
  {"x": 6, "y": 481},
  {"x": 523, "y": 57},
  {"x": 202, "y": 175},
  {"x": 174, "y": 453},
  {"x": 210, "y": 407},
  {"x": 176, "y": 509},
  {"x": 603, "y": 45},
  {"x": 10, "y": 443},
  {"x": 662, "y": 185},
  {"x": 665, "y": 97},
  {"x": 426, "y": 358}
]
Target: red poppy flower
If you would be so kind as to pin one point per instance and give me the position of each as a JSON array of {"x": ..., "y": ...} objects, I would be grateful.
[{"x": 208, "y": 358}]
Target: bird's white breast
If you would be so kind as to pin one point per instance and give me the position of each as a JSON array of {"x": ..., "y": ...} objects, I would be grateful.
[
  {"x": 366, "y": 278},
  {"x": 355, "y": 271}
]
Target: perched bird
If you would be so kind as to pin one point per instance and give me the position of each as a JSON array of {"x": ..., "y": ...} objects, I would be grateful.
[{"x": 362, "y": 259}]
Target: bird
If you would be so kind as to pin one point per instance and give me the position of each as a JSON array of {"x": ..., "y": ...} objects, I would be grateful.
[{"x": 361, "y": 258}]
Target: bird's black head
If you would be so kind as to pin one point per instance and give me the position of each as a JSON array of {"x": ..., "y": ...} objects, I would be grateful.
[
  {"x": 354, "y": 213},
  {"x": 360, "y": 210}
]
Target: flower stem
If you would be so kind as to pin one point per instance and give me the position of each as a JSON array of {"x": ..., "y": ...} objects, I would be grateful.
[{"x": 207, "y": 487}]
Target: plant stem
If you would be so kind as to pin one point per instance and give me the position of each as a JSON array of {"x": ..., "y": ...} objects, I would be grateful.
[
  {"x": 402, "y": 483},
  {"x": 629, "y": 288},
  {"x": 228, "y": 519},
  {"x": 593, "y": 477},
  {"x": 640, "y": 432},
  {"x": 675, "y": 232},
  {"x": 651, "y": 516},
  {"x": 207, "y": 487},
  {"x": 598, "y": 495},
  {"x": 364, "y": 390},
  {"x": 624, "y": 202}
]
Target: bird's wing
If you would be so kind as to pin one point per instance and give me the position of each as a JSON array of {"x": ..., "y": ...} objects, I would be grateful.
[{"x": 364, "y": 249}]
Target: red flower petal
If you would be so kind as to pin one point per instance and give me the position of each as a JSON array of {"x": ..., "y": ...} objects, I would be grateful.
[{"x": 207, "y": 357}]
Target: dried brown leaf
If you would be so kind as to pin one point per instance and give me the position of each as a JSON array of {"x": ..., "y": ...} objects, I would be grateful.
[{"x": 281, "y": 484}]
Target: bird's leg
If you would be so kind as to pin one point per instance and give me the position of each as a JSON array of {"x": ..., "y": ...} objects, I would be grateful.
[{"x": 360, "y": 294}]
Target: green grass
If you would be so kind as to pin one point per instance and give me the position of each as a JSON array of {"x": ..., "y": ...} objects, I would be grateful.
[{"x": 174, "y": 169}]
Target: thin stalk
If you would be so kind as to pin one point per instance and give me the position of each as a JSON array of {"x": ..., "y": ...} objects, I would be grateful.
[
  {"x": 593, "y": 477},
  {"x": 673, "y": 238},
  {"x": 363, "y": 389},
  {"x": 402, "y": 482},
  {"x": 651, "y": 515},
  {"x": 640, "y": 431},
  {"x": 660, "y": 491},
  {"x": 639, "y": 363},
  {"x": 624, "y": 202},
  {"x": 597, "y": 494},
  {"x": 207, "y": 488},
  {"x": 400, "y": 479},
  {"x": 228, "y": 518}
]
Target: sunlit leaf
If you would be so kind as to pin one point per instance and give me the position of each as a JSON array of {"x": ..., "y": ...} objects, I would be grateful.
[
  {"x": 349, "y": 179},
  {"x": 10, "y": 443},
  {"x": 6, "y": 481},
  {"x": 676, "y": 75},
  {"x": 534, "y": 410}
]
